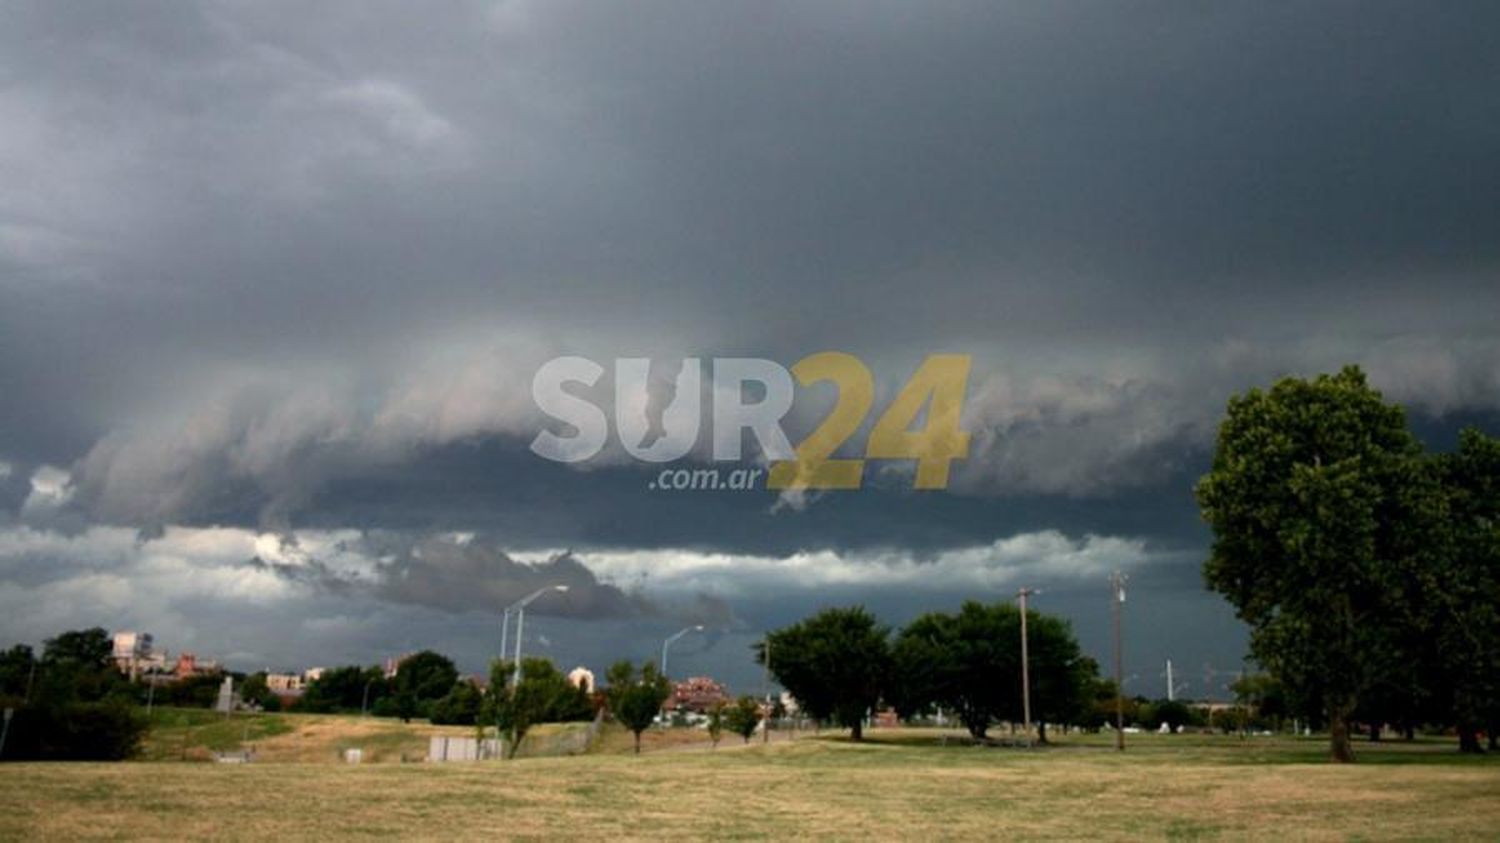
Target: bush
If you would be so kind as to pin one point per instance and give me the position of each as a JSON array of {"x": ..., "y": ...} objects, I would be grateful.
[{"x": 90, "y": 731}]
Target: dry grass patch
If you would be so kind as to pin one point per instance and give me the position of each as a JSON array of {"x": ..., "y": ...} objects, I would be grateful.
[{"x": 1198, "y": 788}]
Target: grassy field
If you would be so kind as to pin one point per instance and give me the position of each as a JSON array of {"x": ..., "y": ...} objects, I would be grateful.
[
  {"x": 900, "y": 784},
  {"x": 186, "y": 734}
]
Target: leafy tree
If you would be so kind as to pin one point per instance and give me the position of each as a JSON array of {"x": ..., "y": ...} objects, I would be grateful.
[
  {"x": 78, "y": 665},
  {"x": 970, "y": 663},
  {"x": 345, "y": 689},
  {"x": 85, "y": 647},
  {"x": 80, "y": 706},
  {"x": 1462, "y": 589},
  {"x": 835, "y": 663},
  {"x": 1174, "y": 713},
  {"x": 716, "y": 723},
  {"x": 16, "y": 671},
  {"x": 1312, "y": 526},
  {"x": 1061, "y": 676},
  {"x": 1263, "y": 696},
  {"x": 196, "y": 691},
  {"x": 1100, "y": 708},
  {"x": 421, "y": 679},
  {"x": 635, "y": 698},
  {"x": 255, "y": 691},
  {"x": 743, "y": 717},
  {"x": 459, "y": 707},
  {"x": 543, "y": 695},
  {"x": 110, "y": 730}
]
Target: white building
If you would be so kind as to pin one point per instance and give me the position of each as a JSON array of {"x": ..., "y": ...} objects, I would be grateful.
[
  {"x": 582, "y": 677},
  {"x": 133, "y": 654}
]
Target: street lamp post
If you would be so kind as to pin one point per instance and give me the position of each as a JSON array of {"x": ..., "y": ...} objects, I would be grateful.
[
  {"x": 672, "y": 639},
  {"x": 520, "y": 609},
  {"x": 504, "y": 628},
  {"x": 364, "y": 699},
  {"x": 1025, "y": 667},
  {"x": 665, "y": 645}
]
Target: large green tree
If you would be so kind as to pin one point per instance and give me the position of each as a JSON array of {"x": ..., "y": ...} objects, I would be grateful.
[
  {"x": 347, "y": 688},
  {"x": 17, "y": 671},
  {"x": 422, "y": 679},
  {"x": 835, "y": 663},
  {"x": 970, "y": 664},
  {"x": 80, "y": 706},
  {"x": 460, "y": 707},
  {"x": 542, "y": 695},
  {"x": 1464, "y": 589},
  {"x": 1315, "y": 515},
  {"x": 634, "y": 697}
]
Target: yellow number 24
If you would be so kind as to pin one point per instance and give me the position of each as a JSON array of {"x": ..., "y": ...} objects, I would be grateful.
[{"x": 939, "y": 384}]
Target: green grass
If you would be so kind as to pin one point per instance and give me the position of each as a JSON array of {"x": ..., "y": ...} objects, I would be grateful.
[
  {"x": 900, "y": 784},
  {"x": 181, "y": 733}
]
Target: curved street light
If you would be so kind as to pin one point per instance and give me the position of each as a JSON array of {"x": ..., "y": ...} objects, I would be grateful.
[
  {"x": 672, "y": 638},
  {"x": 519, "y": 607},
  {"x": 664, "y": 646}
]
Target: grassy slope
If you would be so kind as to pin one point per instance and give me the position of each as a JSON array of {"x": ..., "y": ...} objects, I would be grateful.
[
  {"x": 1165, "y": 786},
  {"x": 184, "y": 734}
]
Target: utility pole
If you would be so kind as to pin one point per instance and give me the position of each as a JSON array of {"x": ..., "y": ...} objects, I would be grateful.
[
  {"x": 1117, "y": 580},
  {"x": 1025, "y": 667},
  {"x": 1171, "y": 688}
]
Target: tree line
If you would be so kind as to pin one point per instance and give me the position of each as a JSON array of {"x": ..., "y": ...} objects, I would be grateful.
[
  {"x": 842, "y": 664},
  {"x": 1367, "y": 566},
  {"x": 69, "y": 703}
]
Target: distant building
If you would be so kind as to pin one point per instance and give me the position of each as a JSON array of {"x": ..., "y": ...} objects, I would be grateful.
[
  {"x": 132, "y": 652},
  {"x": 700, "y": 694},
  {"x": 188, "y": 664},
  {"x": 311, "y": 675},
  {"x": 284, "y": 683},
  {"x": 582, "y": 677}
]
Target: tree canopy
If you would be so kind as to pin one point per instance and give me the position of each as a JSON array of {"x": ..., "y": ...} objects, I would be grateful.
[
  {"x": 969, "y": 663},
  {"x": 542, "y": 695},
  {"x": 836, "y": 663},
  {"x": 1365, "y": 566},
  {"x": 635, "y": 697}
]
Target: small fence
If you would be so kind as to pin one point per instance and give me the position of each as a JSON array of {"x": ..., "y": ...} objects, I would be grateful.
[
  {"x": 444, "y": 748},
  {"x": 543, "y": 742}
]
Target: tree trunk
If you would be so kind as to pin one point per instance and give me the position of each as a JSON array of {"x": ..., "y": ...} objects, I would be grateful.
[
  {"x": 857, "y": 730},
  {"x": 1374, "y": 733},
  {"x": 1041, "y": 731},
  {"x": 1338, "y": 738},
  {"x": 1409, "y": 733},
  {"x": 1468, "y": 739},
  {"x": 637, "y": 743},
  {"x": 1494, "y": 740},
  {"x": 977, "y": 725}
]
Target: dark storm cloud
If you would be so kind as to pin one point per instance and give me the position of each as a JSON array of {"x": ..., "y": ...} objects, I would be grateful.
[
  {"x": 463, "y": 572},
  {"x": 280, "y": 265}
]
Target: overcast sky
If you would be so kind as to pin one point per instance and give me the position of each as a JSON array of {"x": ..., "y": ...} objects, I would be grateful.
[{"x": 275, "y": 279}]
